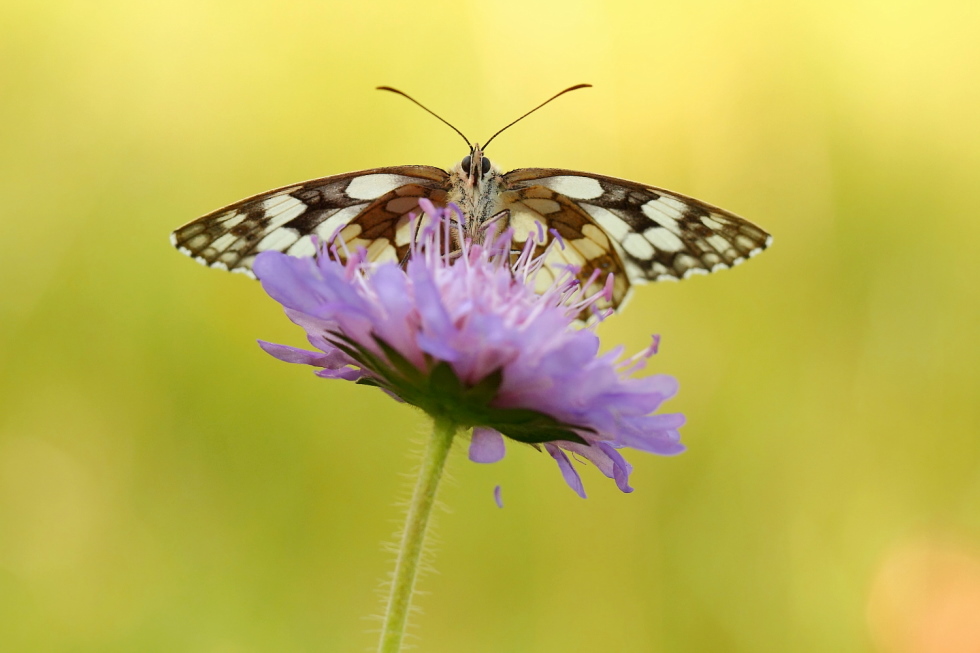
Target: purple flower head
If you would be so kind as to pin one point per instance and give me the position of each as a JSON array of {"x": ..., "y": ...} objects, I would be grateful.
[{"x": 461, "y": 333}]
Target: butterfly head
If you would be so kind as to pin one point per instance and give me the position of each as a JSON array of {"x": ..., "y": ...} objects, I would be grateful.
[{"x": 475, "y": 167}]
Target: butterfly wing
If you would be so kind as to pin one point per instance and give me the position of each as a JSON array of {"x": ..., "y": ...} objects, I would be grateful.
[
  {"x": 370, "y": 209},
  {"x": 658, "y": 234},
  {"x": 582, "y": 243}
]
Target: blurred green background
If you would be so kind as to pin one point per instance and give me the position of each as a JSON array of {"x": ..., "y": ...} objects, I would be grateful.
[{"x": 166, "y": 486}]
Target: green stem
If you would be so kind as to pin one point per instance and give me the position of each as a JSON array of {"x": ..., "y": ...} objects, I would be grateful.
[{"x": 413, "y": 539}]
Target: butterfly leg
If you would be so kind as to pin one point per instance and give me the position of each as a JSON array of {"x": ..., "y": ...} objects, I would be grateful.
[{"x": 480, "y": 231}]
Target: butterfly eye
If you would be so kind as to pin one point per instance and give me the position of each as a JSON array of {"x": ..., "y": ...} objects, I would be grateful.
[
  {"x": 486, "y": 165},
  {"x": 466, "y": 164}
]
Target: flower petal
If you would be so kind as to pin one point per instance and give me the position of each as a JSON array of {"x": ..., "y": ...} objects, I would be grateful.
[
  {"x": 567, "y": 471},
  {"x": 654, "y": 434},
  {"x": 344, "y": 373},
  {"x": 291, "y": 281},
  {"x": 486, "y": 446},
  {"x": 429, "y": 302},
  {"x": 609, "y": 461},
  {"x": 332, "y": 359}
]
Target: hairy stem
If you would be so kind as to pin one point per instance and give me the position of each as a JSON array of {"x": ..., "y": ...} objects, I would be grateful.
[{"x": 413, "y": 538}]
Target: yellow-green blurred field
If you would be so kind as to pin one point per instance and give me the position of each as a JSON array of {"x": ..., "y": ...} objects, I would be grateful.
[{"x": 166, "y": 486}]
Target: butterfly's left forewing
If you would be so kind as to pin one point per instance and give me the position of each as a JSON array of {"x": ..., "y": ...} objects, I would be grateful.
[
  {"x": 658, "y": 234},
  {"x": 369, "y": 208}
]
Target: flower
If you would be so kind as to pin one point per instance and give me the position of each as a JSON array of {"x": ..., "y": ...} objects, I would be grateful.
[{"x": 460, "y": 332}]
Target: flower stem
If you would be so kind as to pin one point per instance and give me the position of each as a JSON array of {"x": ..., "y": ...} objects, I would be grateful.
[{"x": 413, "y": 539}]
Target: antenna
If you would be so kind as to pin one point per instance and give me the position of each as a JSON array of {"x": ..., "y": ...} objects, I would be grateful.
[
  {"x": 570, "y": 88},
  {"x": 406, "y": 95}
]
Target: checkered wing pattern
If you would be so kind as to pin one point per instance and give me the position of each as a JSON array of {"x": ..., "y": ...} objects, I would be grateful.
[
  {"x": 369, "y": 208},
  {"x": 647, "y": 233}
]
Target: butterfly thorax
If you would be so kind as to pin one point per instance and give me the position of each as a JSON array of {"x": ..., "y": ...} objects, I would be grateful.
[{"x": 475, "y": 186}]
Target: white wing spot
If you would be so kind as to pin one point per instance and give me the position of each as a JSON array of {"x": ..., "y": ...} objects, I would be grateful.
[
  {"x": 326, "y": 229},
  {"x": 710, "y": 223},
  {"x": 638, "y": 247},
  {"x": 241, "y": 243},
  {"x": 612, "y": 223},
  {"x": 597, "y": 235},
  {"x": 633, "y": 271},
  {"x": 403, "y": 231},
  {"x": 280, "y": 240},
  {"x": 543, "y": 279},
  {"x": 566, "y": 256},
  {"x": 272, "y": 202},
  {"x": 663, "y": 239},
  {"x": 588, "y": 247},
  {"x": 684, "y": 263},
  {"x": 287, "y": 209},
  {"x": 579, "y": 188},
  {"x": 673, "y": 203},
  {"x": 350, "y": 232},
  {"x": 233, "y": 220},
  {"x": 222, "y": 242},
  {"x": 187, "y": 231},
  {"x": 719, "y": 243},
  {"x": 659, "y": 212},
  {"x": 302, "y": 247},
  {"x": 380, "y": 250},
  {"x": 197, "y": 242},
  {"x": 523, "y": 224},
  {"x": 369, "y": 187}
]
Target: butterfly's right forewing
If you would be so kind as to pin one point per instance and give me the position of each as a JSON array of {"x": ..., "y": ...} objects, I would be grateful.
[{"x": 369, "y": 208}]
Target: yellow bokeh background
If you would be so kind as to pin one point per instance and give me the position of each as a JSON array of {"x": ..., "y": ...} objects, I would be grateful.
[{"x": 166, "y": 486}]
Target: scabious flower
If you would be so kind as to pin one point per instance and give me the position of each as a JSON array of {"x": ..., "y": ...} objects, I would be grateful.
[{"x": 460, "y": 332}]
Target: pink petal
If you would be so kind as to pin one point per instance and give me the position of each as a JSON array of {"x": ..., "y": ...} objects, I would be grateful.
[
  {"x": 567, "y": 471},
  {"x": 486, "y": 446}
]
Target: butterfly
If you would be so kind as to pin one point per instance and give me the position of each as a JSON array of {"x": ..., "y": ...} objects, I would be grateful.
[{"x": 636, "y": 233}]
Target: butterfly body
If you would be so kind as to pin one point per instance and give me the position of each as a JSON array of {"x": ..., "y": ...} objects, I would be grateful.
[
  {"x": 475, "y": 186},
  {"x": 635, "y": 232}
]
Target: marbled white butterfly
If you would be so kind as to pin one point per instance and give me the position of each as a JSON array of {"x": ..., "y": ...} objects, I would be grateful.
[{"x": 636, "y": 232}]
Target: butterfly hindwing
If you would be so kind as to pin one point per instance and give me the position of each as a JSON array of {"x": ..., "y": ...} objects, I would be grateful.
[
  {"x": 370, "y": 208},
  {"x": 661, "y": 235},
  {"x": 581, "y": 243}
]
